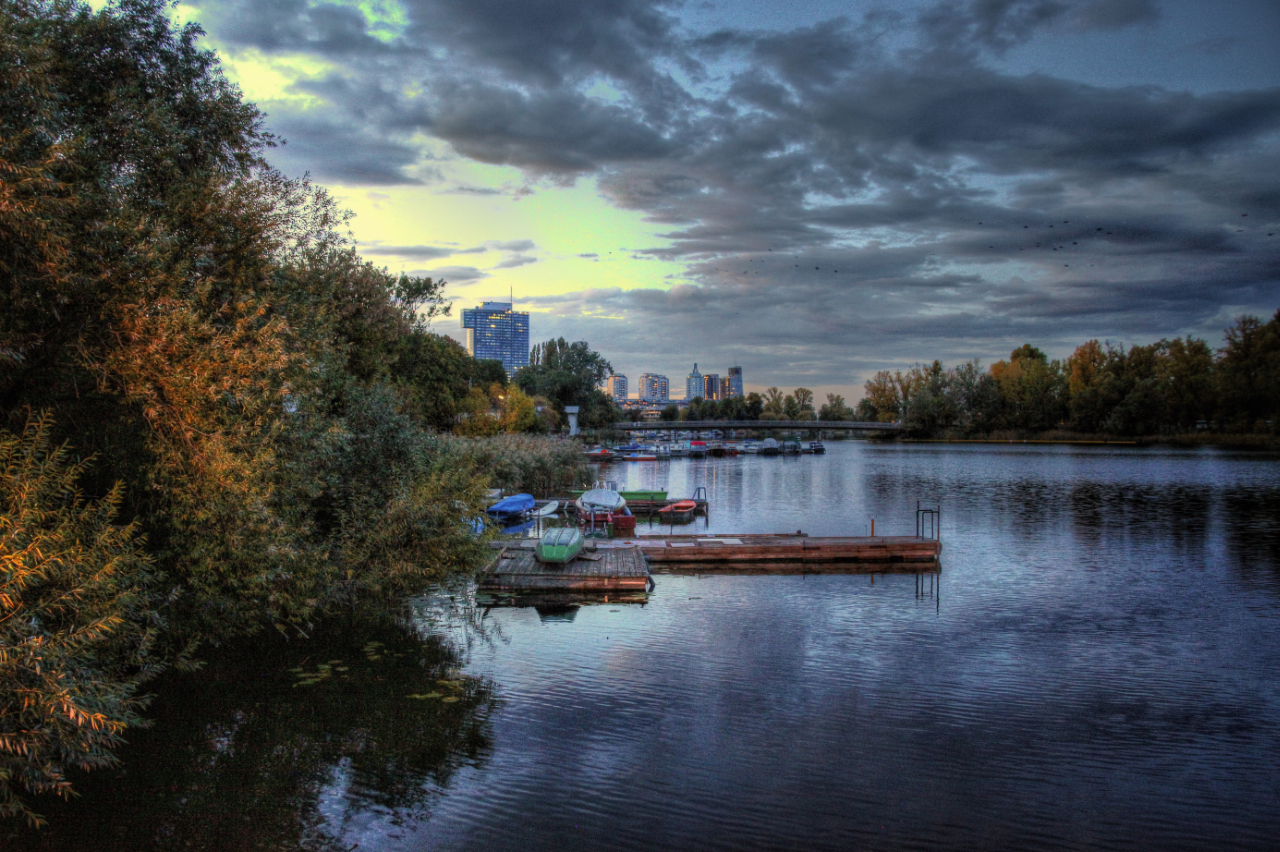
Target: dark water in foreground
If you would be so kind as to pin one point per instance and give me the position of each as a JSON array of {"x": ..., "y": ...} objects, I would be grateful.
[{"x": 1098, "y": 667}]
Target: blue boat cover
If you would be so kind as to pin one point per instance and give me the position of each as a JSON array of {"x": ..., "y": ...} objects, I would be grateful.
[{"x": 516, "y": 504}]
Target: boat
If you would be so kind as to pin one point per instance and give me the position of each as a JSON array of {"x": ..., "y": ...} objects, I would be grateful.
[
  {"x": 638, "y": 456},
  {"x": 644, "y": 496},
  {"x": 559, "y": 545},
  {"x": 599, "y": 454},
  {"x": 697, "y": 449},
  {"x": 815, "y": 447},
  {"x": 716, "y": 450},
  {"x": 549, "y": 509},
  {"x": 680, "y": 511},
  {"x": 638, "y": 495},
  {"x": 750, "y": 447},
  {"x": 597, "y": 504},
  {"x": 791, "y": 448},
  {"x": 679, "y": 450},
  {"x": 769, "y": 447},
  {"x": 510, "y": 508}
]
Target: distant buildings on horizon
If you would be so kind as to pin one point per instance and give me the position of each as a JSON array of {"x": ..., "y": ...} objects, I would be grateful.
[
  {"x": 655, "y": 389},
  {"x": 496, "y": 331}
]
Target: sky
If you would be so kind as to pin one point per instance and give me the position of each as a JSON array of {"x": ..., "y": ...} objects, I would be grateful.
[{"x": 811, "y": 190}]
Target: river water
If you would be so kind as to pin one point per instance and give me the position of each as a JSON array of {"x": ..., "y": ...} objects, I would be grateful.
[{"x": 1097, "y": 666}]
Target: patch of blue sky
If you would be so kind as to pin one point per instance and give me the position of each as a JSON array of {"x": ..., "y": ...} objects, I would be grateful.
[
  {"x": 1232, "y": 48},
  {"x": 601, "y": 88}
]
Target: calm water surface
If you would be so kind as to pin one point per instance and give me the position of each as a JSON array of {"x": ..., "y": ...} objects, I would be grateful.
[{"x": 1097, "y": 667}]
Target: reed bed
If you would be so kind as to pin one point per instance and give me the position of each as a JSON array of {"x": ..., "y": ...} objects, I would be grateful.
[{"x": 535, "y": 464}]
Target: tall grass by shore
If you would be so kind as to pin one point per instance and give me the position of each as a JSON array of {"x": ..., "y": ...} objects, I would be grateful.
[{"x": 536, "y": 464}]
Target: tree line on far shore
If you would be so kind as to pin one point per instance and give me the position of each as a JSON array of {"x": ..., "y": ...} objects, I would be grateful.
[
  {"x": 1166, "y": 388},
  {"x": 1169, "y": 387}
]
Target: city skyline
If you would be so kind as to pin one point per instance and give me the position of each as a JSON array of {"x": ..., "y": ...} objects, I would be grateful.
[{"x": 815, "y": 192}]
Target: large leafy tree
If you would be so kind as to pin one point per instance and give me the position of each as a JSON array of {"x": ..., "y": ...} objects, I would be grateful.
[{"x": 570, "y": 374}]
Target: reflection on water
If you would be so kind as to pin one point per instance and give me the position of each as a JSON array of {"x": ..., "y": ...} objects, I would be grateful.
[
  {"x": 305, "y": 747},
  {"x": 1100, "y": 672}
]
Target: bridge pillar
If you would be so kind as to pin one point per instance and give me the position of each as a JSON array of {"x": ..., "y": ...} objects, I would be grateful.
[{"x": 572, "y": 411}]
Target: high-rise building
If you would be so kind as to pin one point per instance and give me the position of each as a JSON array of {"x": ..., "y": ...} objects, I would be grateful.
[
  {"x": 495, "y": 331},
  {"x": 616, "y": 387},
  {"x": 724, "y": 388},
  {"x": 711, "y": 386},
  {"x": 693, "y": 384},
  {"x": 735, "y": 383},
  {"x": 654, "y": 388}
]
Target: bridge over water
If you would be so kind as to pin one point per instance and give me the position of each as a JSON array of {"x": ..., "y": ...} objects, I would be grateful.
[{"x": 813, "y": 425}]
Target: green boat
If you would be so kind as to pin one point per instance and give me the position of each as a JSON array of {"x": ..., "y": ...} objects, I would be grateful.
[
  {"x": 559, "y": 545},
  {"x": 632, "y": 496}
]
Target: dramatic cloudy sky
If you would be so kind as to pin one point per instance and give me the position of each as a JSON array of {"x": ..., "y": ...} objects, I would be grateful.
[{"x": 812, "y": 190}]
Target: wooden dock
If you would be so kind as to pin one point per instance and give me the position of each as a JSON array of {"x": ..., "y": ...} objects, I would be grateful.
[
  {"x": 795, "y": 549},
  {"x": 605, "y": 569},
  {"x": 622, "y": 564}
]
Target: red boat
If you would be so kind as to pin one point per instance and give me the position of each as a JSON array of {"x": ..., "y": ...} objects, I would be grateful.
[{"x": 681, "y": 510}]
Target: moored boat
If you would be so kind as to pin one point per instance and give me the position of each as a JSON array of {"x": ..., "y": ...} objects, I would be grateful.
[
  {"x": 599, "y": 454},
  {"x": 559, "y": 545},
  {"x": 769, "y": 447},
  {"x": 678, "y": 512},
  {"x": 815, "y": 447},
  {"x": 510, "y": 508},
  {"x": 599, "y": 501}
]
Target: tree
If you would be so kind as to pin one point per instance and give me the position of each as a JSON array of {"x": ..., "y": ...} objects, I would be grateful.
[
  {"x": 670, "y": 413},
  {"x": 75, "y": 621},
  {"x": 1249, "y": 372},
  {"x": 835, "y": 409},
  {"x": 569, "y": 374},
  {"x": 883, "y": 398},
  {"x": 1032, "y": 388},
  {"x": 774, "y": 403}
]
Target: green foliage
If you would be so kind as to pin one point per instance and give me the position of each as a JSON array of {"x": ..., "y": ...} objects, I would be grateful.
[
  {"x": 570, "y": 374},
  {"x": 389, "y": 508},
  {"x": 75, "y": 621}
]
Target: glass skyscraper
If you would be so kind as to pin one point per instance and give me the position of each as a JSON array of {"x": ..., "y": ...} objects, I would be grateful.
[
  {"x": 497, "y": 332},
  {"x": 735, "y": 383}
]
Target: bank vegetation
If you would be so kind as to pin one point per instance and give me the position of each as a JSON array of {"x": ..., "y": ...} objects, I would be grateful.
[{"x": 217, "y": 420}]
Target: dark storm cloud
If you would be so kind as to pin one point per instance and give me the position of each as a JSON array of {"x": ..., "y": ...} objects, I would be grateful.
[
  {"x": 337, "y": 149},
  {"x": 841, "y": 193}
]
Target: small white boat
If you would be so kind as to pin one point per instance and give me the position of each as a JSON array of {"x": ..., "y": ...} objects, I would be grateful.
[
  {"x": 549, "y": 509},
  {"x": 599, "y": 501}
]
